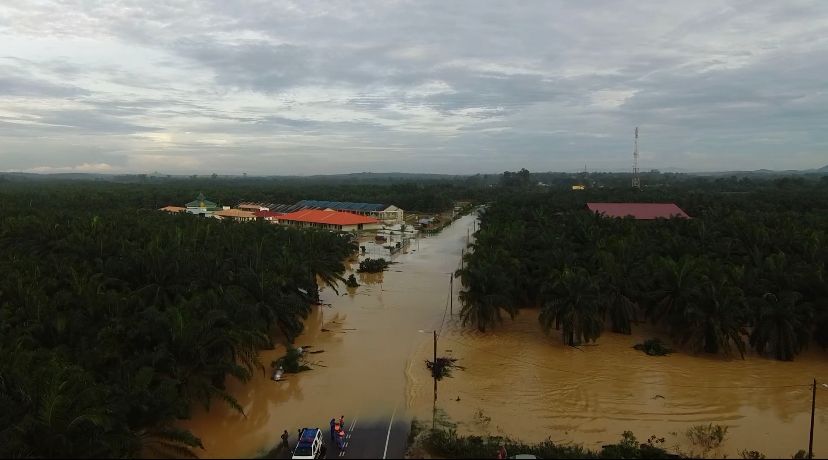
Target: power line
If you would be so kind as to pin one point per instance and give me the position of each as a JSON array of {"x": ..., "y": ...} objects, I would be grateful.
[
  {"x": 592, "y": 376},
  {"x": 445, "y": 310}
]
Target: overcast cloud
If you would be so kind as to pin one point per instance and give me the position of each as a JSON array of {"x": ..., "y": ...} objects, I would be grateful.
[{"x": 309, "y": 87}]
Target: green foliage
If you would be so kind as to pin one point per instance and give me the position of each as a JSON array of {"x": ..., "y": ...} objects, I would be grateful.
[
  {"x": 654, "y": 347},
  {"x": 292, "y": 361},
  {"x": 115, "y": 321},
  {"x": 708, "y": 437},
  {"x": 522, "y": 178},
  {"x": 442, "y": 367},
  {"x": 751, "y": 454},
  {"x": 749, "y": 269},
  {"x": 351, "y": 282},
  {"x": 369, "y": 265},
  {"x": 446, "y": 443}
]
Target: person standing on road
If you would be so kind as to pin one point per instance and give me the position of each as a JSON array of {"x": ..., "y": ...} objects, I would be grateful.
[
  {"x": 342, "y": 421},
  {"x": 340, "y": 440},
  {"x": 285, "y": 437},
  {"x": 333, "y": 429}
]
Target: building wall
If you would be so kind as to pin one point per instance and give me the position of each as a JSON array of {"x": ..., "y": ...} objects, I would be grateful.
[
  {"x": 202, "y": 211},
  {"x": 333, "y": 227}
]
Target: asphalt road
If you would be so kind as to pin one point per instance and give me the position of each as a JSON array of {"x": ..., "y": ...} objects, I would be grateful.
[
  {"x": 365, "y": 438},
  {"x": 374, "y": 439}
]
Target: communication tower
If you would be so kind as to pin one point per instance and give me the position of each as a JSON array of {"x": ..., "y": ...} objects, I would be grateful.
[{"x": 636, "y": 181}]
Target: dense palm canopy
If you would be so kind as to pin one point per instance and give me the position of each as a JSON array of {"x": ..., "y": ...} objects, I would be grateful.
[
  {"x": 704, "y": 281},
  {"x": 783, "y": 325},
  {"x": 115, "y": 321},
  {"x": 572, "y": 307}
]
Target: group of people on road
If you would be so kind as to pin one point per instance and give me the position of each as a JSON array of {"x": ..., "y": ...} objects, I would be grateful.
[{"x": 338, "y": 431}]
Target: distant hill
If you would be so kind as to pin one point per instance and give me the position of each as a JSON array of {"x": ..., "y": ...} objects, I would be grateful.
[{"x": 766, "y": 172}]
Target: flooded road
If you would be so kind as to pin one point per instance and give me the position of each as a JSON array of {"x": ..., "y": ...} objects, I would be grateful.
[
  {"x": 371, "y": 333},
  {"x": 517, "y": 382}
]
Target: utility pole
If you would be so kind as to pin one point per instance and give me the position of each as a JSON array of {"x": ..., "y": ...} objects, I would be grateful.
[
  {"x": 434, "y": 375},
  {"x": 451, "y": 293},
  {"x": 813, "y": 408}
]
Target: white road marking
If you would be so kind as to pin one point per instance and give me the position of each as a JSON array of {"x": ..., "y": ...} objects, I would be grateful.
[
  {"x": 347, "y": 436},
  {"x": 388, "y": 436}
]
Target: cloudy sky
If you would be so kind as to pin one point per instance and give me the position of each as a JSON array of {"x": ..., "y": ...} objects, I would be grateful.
[{"x": 308, "y": 87}]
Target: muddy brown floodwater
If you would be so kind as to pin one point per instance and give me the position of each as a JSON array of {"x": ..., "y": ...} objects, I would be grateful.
[{"x": 517, "y": 381}]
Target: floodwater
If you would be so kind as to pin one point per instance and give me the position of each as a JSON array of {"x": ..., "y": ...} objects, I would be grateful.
[{"x": 371, "y": 344}]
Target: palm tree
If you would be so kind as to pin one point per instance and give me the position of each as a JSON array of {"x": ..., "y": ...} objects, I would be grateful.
[
  {"x": 677, "y": 288},
  {"x": 488, "y": 292},
  {"x": 783, "y": 325},
  {"x": 617, "y": 289},
  {"x": 714, "y": 320},
  {"x": 572, "y": 306}
]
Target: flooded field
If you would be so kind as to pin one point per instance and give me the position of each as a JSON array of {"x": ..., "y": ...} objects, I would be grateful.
[
  {"x": 373, "y": 341},
  {"x": 532, "y": 387}
]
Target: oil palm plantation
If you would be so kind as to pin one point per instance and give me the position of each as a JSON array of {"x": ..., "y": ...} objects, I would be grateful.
[
  {"x": 783, "y": 325},
  {"x": 489, "y": 292},
  {"x": 572, "y": 306},
  {"x": 713, "y": 322}
]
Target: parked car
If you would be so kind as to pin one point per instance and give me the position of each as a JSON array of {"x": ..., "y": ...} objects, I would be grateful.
[{"x": 310, "y": 445}]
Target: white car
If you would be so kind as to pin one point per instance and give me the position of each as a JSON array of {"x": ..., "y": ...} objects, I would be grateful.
[{"x": 309, "y": 445}]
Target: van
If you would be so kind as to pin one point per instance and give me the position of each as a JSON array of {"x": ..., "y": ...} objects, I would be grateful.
[{"x": 309, "y": 445}]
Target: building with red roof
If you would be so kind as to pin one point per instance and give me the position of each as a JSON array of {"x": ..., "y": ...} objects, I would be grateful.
[
  {"x": 638, "y": 211},
  {"x": 269, "y": 216},
  {"x": 329, "y": 220}
]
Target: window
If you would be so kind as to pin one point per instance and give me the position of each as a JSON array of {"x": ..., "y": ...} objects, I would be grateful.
[{"x": 304, "y": 449}]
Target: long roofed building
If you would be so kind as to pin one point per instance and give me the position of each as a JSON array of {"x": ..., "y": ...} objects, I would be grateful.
[
  {"x": 386, "y": 213},
  {"x": 638, "y": 211},
  {"x": 329, "y": 220}
]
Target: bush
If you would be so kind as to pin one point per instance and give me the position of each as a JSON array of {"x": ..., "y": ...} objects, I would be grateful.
[
  {"x": 370, "y": 265},
  {"x": 446, "y": 443},
  {"x": 292, "y": 362},
  {"x": 708, "y": 437},
  {"x": 654, "y": 347},
  {"x": 351, "y": 281}
]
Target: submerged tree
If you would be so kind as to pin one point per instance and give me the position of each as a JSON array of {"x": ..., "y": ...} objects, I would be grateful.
[
  {"x": 782, "y": 325},
  {"x": 572, "y": 307}
]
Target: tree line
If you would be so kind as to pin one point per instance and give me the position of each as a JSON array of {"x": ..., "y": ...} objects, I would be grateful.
[
  {"x": 115, "y": 321},
  {"x": 430, "y": 196},
  {"x": 748, "y": 270}
]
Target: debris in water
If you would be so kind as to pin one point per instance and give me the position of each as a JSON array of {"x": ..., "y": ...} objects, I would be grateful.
[{"x": 443, "y": 366}]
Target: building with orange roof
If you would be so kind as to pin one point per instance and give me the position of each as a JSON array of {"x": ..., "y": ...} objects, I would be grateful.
[
  {"x": 330, "y": 220},
  {"x": 173, "y": 209}
]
